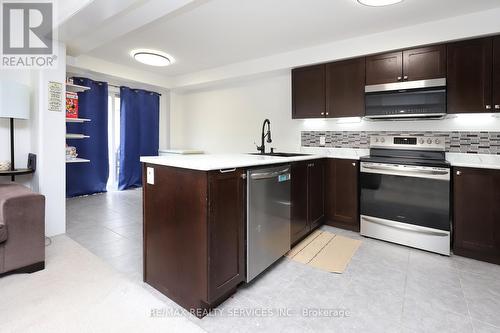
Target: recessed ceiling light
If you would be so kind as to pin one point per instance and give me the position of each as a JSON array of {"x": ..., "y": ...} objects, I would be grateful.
[
  {"x": 152, "y": 57},
  {"x": 379, "y": 3}
]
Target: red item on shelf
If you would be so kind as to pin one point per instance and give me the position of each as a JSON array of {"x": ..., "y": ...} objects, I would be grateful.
[{"x": 71, "y": 105}]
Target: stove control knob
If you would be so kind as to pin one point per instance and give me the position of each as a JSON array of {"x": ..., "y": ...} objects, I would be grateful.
[
  {"x": 429, "y": 141},
  {"x": 382, "y": 140},
  {"x": 437, "y": 141},
  {"x": 422, "y": 141},
  {"x": 376, "y": 139}
]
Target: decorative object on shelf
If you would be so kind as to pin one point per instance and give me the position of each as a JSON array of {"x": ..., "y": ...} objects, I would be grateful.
[
  {"x": 71, "y": 152},
  {"x": 14, "y": 104},
  {"x": 4, "y": 165},
  {"x": 71, "y": 105}
]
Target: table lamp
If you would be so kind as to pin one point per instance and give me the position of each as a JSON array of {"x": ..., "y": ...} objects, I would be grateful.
[{"x": 14, "y": 104}]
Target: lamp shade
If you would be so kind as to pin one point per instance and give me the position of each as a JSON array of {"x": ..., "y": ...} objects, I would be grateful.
[{"x": 14, "y": 100}]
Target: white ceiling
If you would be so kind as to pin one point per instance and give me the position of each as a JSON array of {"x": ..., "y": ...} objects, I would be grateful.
[{"x": 213, "y": 33}]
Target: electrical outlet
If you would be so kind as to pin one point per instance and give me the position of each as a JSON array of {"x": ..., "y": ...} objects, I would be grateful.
[
  {"x": 322, "y": 140},
  {"x": 150, "y": 176}
]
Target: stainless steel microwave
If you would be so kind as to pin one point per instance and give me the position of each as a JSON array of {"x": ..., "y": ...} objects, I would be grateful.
[{"x": 406, "y": 100}]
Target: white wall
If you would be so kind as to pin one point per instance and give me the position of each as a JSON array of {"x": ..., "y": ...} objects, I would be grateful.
[{"x": 228, "y": 118}]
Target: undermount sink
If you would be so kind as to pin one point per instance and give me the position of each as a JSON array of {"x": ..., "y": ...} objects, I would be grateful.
[{"x": 280, "y": 154}]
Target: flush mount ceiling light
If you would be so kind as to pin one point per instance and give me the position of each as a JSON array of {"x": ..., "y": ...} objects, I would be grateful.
[
  {"x": 379, "y": 3},
  {"x": 152, "y": 57}
]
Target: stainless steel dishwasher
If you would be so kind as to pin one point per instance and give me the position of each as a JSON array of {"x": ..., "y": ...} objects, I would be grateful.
[{"x": 268, "y": 217}]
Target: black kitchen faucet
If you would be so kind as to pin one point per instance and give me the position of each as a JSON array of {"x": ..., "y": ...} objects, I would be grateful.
[{"x": 262, "y": 147}]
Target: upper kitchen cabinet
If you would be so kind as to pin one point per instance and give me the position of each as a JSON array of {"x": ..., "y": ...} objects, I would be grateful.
[
  {"x": 496, "y": 74},
  {"x": 308, "y": 92},
  {"x": 342, "y": 193},
  {"x": 424, "y": 63},
  {"x": 476, "y": 195},
  {"x": 345, "y": 88},
  {"x": 384, "y": 68},
  {"x": 470, "y": 65},
  {"x": 409, "y": 65}
]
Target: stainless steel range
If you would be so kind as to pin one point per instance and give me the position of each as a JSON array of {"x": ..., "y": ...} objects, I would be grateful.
[{"x": 405, "y": 192}]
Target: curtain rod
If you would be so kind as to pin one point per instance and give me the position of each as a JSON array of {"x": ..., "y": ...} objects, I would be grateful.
[{"x": 115, "y": 86}]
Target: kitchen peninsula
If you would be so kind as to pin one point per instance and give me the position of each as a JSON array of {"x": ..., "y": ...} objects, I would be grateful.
[{"x": 195, "y": 221}]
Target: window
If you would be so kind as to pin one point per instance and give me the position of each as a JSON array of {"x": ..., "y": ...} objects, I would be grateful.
[{"x": 113, "y": 139}]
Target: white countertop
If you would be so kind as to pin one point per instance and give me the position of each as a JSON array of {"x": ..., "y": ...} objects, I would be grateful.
[
  {"x": 206, "y": 162},
  {"x": 485, "y": 161}
]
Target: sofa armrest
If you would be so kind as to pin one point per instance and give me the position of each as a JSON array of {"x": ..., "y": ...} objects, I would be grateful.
[{"x": 24, "y": 217}]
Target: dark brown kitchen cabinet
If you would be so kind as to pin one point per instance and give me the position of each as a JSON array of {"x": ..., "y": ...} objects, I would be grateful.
[
  {"x": 226, "y": 223},
  {"x": 384, "y": 68},
  {"x": 424, "y": 63},
  {"x": 307, "y": 198},
  {"x": 496, "y": 73},
  {"x": 342, "y": 193},
  {"x": 469, "y": 80},
  {"x": 476, "y": 231},
  {"x": 194, "y": 224},
  {"x": 308, "y": 92},
  {"x": 316, "y": 192},
  {"x": 345, "y": 88},
  {"x": 408, "y": 65}
]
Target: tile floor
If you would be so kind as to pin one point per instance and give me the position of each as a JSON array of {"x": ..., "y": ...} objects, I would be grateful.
[{"x": 386, "y": 288}]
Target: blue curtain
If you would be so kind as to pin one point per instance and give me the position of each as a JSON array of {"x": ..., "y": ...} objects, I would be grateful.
[
  {"x": 89, "y": 178},
  {"x": 139, "y": 133}
]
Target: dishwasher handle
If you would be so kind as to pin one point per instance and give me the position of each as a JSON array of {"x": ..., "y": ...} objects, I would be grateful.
[{"x": 268, "y": 175}]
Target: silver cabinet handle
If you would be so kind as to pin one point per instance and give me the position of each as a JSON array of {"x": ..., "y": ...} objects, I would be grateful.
[
  {"x": 488, "y": 107},
  {"x": 399, "y": 78},
  {"x": 497, "y": 106},
  {"x": 243, "y": 176},
  {"x": 353, "y": 164},
  {"x": 327, "y": 113},
  {"x": 405, "y": 77},
  {"x": 322, "y": 113},
  {"x": 227, "y": 170},
  {"x": 459, "y": 173},
  {"x": 310, "y": 165}
]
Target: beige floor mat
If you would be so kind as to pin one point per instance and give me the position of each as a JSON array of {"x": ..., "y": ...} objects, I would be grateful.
[{"x": 325, "y": 250}]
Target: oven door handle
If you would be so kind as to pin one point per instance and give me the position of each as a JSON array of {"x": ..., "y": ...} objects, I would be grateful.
[
  {"x": 399, "y": 172},
  {"x": 413, "y": 228}
]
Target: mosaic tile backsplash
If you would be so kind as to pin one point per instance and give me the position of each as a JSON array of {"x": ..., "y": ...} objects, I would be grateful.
[{"x": 456, "y": 142}]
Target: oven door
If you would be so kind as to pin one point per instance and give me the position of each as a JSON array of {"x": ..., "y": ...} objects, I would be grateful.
[{"x": 412, "y": 195}]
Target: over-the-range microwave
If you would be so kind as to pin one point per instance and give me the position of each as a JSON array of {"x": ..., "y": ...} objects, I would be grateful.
[{"x": 423, "y": 99}]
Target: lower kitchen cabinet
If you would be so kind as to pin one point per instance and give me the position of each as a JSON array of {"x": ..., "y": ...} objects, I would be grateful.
[
  {"x": 194, "y": 224},
  {"x": 476, "y": 226},
  {"x": 307, "y": 198},
  {"x": 342, "y": 193}
]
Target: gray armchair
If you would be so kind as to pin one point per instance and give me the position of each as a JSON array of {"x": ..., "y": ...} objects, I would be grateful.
[{"x": 22, "y": 230}]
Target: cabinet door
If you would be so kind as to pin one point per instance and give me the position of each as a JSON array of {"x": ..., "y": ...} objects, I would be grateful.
[
  {"x": 226, "y": 220},
  {"x": 384, "y": 68},
  {"x": 308, "y": 92},
  {"x": 342, "y": 193},
  {"x": 496, "y": 74},
  {"x": 424, "y": 63},
  {"x": 345, "y": 88},
  {"x": 299, "y": 226},
  {"x": 316, "y": 193},
  {"x": 469, "y": 76},
  {"x": 477, "y": 214}
]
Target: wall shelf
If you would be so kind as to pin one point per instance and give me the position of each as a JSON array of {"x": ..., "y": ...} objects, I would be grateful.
[
  {"x": 77, "y": 120},
  {"x": 77, "y": 160},
  {"x": 76, "y": 88},
  {"x": 76, "y": 136}
]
